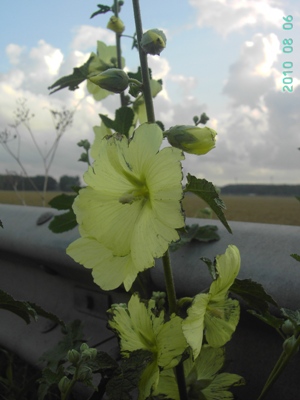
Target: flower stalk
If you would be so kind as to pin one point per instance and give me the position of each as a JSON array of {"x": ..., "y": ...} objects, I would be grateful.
[
  {"x": 119, "y": 52},
  {"x": 144, "y": 63}
]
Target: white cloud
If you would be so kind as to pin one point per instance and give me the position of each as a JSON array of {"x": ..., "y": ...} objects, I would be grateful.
[
  {"x": 13, "y": 52},
  {"x": 253, "y": 74},
  {"x": 226, "y": 16},
  {"x": 86, "y": 37}
]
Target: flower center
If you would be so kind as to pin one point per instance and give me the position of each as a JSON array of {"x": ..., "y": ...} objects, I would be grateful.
[{"x": 136, "y": 194}]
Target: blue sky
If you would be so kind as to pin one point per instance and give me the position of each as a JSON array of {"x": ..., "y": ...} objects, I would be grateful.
[{"x": 223, "y": 57}]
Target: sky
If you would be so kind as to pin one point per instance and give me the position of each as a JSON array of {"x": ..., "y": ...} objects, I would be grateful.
[{"x": 223, "y": 57}]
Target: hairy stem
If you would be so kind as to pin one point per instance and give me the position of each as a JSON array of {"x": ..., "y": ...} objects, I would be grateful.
[
  {"x": 119, "y": 52},
  {"x": 144, "y": 63}
]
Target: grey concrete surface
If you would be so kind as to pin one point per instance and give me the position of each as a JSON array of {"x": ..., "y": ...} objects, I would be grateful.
[{"x": 34, "y": 266}]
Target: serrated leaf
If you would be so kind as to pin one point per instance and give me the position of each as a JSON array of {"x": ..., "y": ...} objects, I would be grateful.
[
  {"x": 73, "y": 81},
  {"x": 62, "y": 202},
  {"x": 268, "y": 319},
  {"x": 205, "y": 233},
  {"x": 211, "y": 267},
  {"x": 296, "y": 257},
  {"x": 25, "y": 309},
  {"x": 21, "y": 308},
  {"x": 72, "y": 340},
  {"x": 207, "y": 192},
  {"x": 123, "y": 121},
  {"x": 293, "y": 315},
  {"x": 253, "y": 294},
  {"x": 48, "y": 380},
  {"x": 64, "y": 222},
  {"x": 103, "y": 363},
  {"x": 128, "y": 375}
]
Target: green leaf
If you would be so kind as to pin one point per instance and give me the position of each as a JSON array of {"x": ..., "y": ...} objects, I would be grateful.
[
  {"x": 205, "y": 233},
  {"x": 293, "y": 315},
  {"x": 127, "y": 377},
  {"x": 207, "y": 192},
  {"x": 62, "y": 202},
  {"x": 25, "y": 309},
  {"x": 268, "y": 319},
  {"x": 211, "y": 267},
  {"x": 72, "y": 339},
  {"x": 253, "y": 294},
  {"x": 138, "y": 75},
  {"x": 296, "y": 257},
  {"x": 21, "y": 308},
  {"x": 64, "y": 222},
  {"x": 73, "y": 81},
  {"x": 102, "y": 10},
  {"x": 84, "y": 157},
  {"x": 123, "y": 121},
  {"x": 48, "y": 380}
]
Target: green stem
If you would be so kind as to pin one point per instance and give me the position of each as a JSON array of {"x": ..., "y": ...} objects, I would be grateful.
[
  {"x": 144, "y": 63},
  {"x": 278, "y": 368},
  {"x": 119, "y": 52},
  {"x": 170, "y": 287},
  {"x": 171, "y": 293}
]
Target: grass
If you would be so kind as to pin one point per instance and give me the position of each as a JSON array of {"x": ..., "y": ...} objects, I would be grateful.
[{"x": 264, "y": 209}]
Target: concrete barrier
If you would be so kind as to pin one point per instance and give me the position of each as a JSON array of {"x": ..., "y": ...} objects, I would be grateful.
[{"x": 34, "y": 267}]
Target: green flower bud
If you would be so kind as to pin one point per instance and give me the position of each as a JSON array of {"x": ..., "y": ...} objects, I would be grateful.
[
  {"x": 289, "y": 345},
  {"x": 83, "y": 347},
  {"x": 63, "y": 384},
  {"x": 84, "y": 373},
  {"x": 153, "y": 41},
  {"x": 73, "y": 356},
  {"x": 113, "y": 79},
  {"x": 192, "y": 139},
  {"x": 288, "y": 327},
  {"x": 89, "y": 354},
  {"x": 116, "y": 25}
]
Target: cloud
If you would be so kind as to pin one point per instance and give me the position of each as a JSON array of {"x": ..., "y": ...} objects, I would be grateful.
[
  {"x": 253, "y": 74},
  {"x": 227, "y": 16},
  {"x": 86, "y": 37}
]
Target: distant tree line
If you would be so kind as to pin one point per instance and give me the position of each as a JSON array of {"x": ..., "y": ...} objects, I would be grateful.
[
  {"x": 261, "y": 190},
  {"x": 11, "y": 181}
]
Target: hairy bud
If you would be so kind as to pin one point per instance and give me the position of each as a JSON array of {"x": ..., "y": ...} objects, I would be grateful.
[
  {"x": 192, "y": 139},
  {"x": 153, "y": 41},
  {"x": 113, "y": 79}
]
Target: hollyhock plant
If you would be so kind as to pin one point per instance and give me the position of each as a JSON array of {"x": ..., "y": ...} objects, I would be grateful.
[{"x": 131, "y": 209}]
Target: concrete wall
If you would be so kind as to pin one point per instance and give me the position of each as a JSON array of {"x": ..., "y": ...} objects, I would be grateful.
[{"x": 34, "y": 267}]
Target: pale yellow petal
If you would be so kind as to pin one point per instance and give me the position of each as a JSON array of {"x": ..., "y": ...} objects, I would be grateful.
[
  {"x": 94, "y": 255},
  {"x": 228, "y": 266},
  {"x": 193, "y": 324},
  {"x": 220, "y": 321}
]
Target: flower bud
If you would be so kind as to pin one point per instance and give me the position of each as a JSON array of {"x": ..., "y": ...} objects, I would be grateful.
[
  {"x": 63, "y": 384},
  {"x": 84, "y": 373},
  {"x": 89, "y": 354},
  {"x": 113, "y": 79},
  {"x": 116, "y": 25},
  {"x": 153, "y": 41},
  {"x": 192, "y": 139},
  {"x": 73, "y": 356}
]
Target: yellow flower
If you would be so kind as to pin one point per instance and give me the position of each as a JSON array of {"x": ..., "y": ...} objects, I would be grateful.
[
  {"x": 139, "y": 328},
  {"x": 213, "y": 313},
  {"x": 129, "y": 213}
]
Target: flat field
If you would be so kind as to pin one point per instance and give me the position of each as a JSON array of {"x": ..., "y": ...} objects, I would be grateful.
[{"x": 264, "y": 209}]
